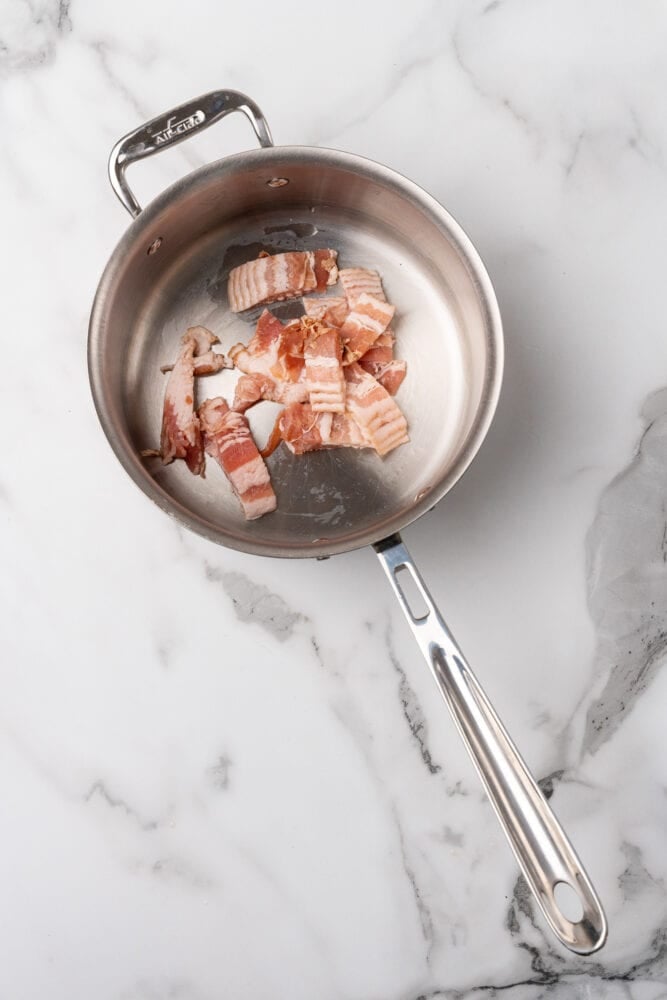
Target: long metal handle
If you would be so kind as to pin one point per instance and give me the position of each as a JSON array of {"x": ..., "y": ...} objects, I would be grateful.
[
  {"x": 175, "y": 126},
  {"x": 544, "y": 853}
]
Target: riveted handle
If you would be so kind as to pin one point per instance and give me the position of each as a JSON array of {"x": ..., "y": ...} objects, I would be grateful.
[
  {"x": 544, "y": 853},
  {"x": 175, "y": 126}
]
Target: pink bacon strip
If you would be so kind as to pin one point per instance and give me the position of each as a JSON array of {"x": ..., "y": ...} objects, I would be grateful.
[
  {"x": 302, "y": 430},
  {"x": 376, "y": 413},
  {"x": 261, "y": 354},
  {"x": 368, "y": 318},
  {"x": 281, "y": 276},
  {"x": 331, "y": 309},
  {"x": 228, "y": 440},
  {"x": 324, "y": 370},
  {"x": 379, "y": 362},
  {"x": 358, "y": 281},
  {"x": 379, "y": 355},
  {"x": 250, "y": 389},
  {"x": 273, "y": 350},
  {"x": 181, "y": 432},
  {"x": 392, "y": 375},
  {"x": 325, "y": 267}
]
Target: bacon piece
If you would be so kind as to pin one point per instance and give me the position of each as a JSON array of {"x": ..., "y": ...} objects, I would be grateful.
[
  {"x": 331, "y": 309},
  {"x": 326, "y": 269},
  {"x": 207, "y": 364},
  {"x": 345, "y": 432},
  {"x": 324, "y": 370},
  {"x": 290, "y": 353},
  {"x": 298, "y": 427},
  {"x": 250, "y": 389},
  {"x": 392, "y": 375},
  {"x": 281, "y": 276},
  {"x": 211, "y": 362},
  {"x": 261, "y": 354},
  {"x": 379, "y": 355},
  {"x": 302, "y": 430},
  {"x": 368, "y": 318},
  {"x": 181, "y": 433},
  {"x": 357, "y": 281},
  {"x": 379, "y": 362},
  {"x": 376, "y": 413},
  {"x": 228, "y": 440},
  {"x": 274, "y": 350}
]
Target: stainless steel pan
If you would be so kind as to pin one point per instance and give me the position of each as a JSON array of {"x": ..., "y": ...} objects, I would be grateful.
[{"x": 169, "y": 272}]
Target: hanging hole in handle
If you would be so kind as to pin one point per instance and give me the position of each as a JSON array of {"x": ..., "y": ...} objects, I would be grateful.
[
  {"x": 412, "y": 595},
  {"x": 568, "y": 902},
  {"x": 278, "y": 182}
]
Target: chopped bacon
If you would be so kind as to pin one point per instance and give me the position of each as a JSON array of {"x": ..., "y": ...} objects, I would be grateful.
[
  {"x": 326, "y": 270},
  {"x": 207, "y": 364},
  {"x": 333, "y": 369},
  {"x": 331, "y": 309},
  {"x": 181, "y": 433},
  {"x": 324, "y": 370},
  {"x": 358, "y": 281},
  {"x": 379, "y": 355},
  {"x": 302, "y": 430},
  {"x": 261, "y": 354},
  {"x": 290, "y": 353},
  {"x": 379, "y": 362},
  {"x": 368, "y": 318},
  {"x": 211, "y": 362},
  {"x": 392, "y": 375},
  {"x": 250, "y": 389},
  {"x": 376, "y": 413},
  {"x": 298, "y": 427},
  {"x": 274, "y": 350},
  {"x": 345, "y": 432},
  {"x": 228, "y": 439},
  {"x": 281, "y": 276}
]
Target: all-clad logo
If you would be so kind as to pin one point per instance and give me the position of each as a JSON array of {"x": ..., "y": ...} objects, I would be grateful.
[{"x": 177, "y": 128}]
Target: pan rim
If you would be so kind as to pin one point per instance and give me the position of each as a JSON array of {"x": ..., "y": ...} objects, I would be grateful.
[{"x": 403, "y": 186}]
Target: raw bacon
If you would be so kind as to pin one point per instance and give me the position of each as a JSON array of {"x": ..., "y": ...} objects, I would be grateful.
[
  {"x": 379, "y": 355},
  {"x": 392, "y": 375},
  {"x": 368, "y": 318},
  {"x": 331, "y": 309},
  {"x": 333, "y": 370},
  {"x": 281, "y": 276},
  {"x": 228, "y": 439},
  {"x": 324, "y": 265},
  {"x": 358, "y": 281},
  {"x": 376, "y": 413},
  {"x": 206, "y": 364},
  {"x": 379, "y": 362},
  {"x": 181, "y": 433},
  {"x": 274, "y": 350},
  {"x": 290, "y": 352},
  {"x": 261, "y": 354},
  {"x": 250, "y": 389},
  {"x": 324, "y": 370},
  {"x": 302, "y": 430}
]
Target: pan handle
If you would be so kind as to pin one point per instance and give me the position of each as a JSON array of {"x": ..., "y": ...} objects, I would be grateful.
[
  {"x": 544, "y": 853},
  {"x": 175, "y": 126}
]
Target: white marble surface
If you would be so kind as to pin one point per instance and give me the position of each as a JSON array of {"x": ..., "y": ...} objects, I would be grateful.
[{"x": 227, "y": 777}]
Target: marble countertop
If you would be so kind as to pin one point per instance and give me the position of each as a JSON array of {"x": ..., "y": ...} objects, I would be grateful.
[{"x": 231, "y": 777}]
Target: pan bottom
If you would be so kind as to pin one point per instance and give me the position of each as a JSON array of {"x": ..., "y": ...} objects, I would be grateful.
[{"x": 329, "y": 496}]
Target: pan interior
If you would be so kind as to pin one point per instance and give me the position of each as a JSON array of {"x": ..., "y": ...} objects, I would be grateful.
[{"x": 335, "y": 499}]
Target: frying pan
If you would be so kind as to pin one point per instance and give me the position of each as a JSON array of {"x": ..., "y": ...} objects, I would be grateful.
[{"x": 169, "y": 271}]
